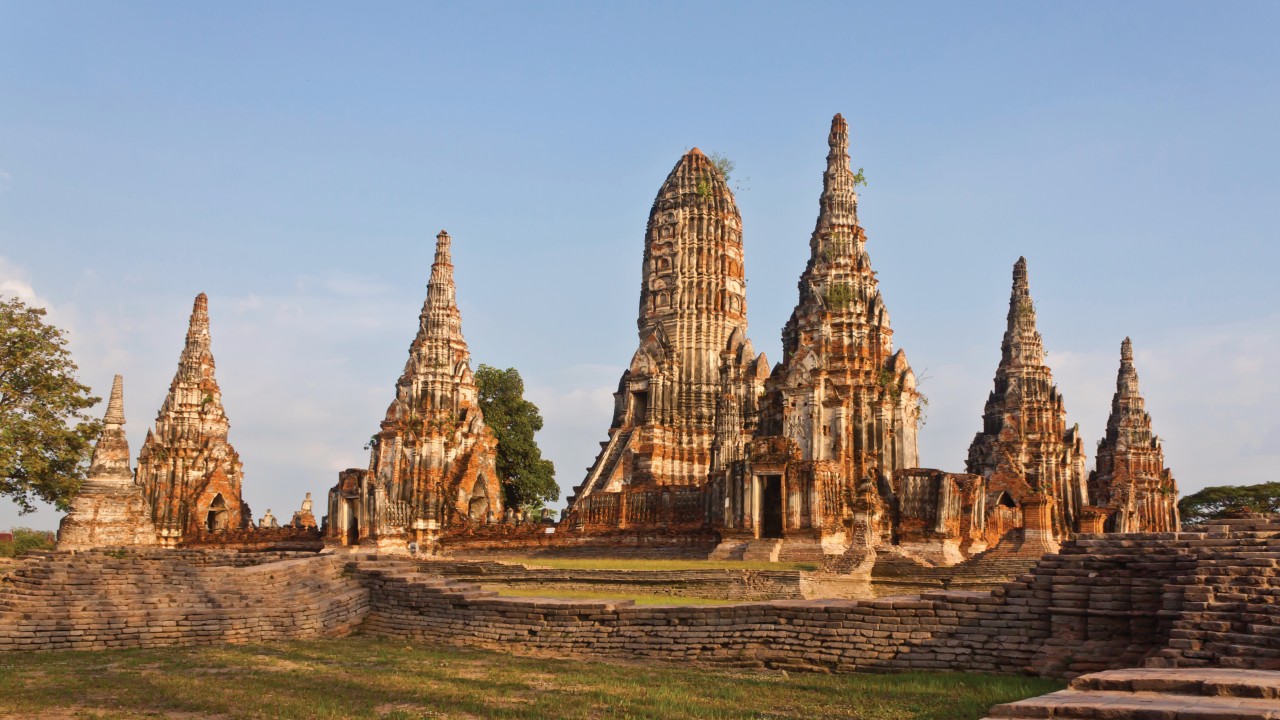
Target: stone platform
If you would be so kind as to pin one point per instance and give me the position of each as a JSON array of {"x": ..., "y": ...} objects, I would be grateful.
[
  {"x": 1202, "y": 600},
  {"x": 1147, "y": 694}
]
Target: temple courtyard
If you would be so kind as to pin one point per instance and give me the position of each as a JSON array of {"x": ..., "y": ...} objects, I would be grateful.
[{"x": 384, "y": 678}]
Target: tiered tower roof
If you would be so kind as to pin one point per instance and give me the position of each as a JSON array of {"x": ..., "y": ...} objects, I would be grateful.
[{"x": 1131, "y": 478}]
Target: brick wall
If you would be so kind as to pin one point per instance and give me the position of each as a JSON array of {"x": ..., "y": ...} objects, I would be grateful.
[
  {"x": 97, "y": 600},
  {"x": 1106, "y": 601}
]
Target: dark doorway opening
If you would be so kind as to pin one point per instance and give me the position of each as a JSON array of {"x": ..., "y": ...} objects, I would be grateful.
[
  {"x": 639, "y": 406},
  {"x": 353, "y": 525},
  {"x": 216, "y": 520},
  {"x": 771, "y": 507}
]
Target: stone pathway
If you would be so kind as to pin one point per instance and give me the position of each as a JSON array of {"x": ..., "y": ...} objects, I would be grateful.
[{"x": 1157, "y": 694}]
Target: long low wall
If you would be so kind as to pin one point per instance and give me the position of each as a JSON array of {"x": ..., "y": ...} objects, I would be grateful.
[
  {"x": 1171, "y": 600},
  {"x": 99, "y": 600},
  {"x": 715, "y": 583},
  {"x": 934, "y": 631}
]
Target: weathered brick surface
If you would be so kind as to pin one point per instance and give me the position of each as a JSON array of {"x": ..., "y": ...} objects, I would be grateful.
[
  {"x": 98, "y": 600},
  {"x": 1106, "y": 601}
]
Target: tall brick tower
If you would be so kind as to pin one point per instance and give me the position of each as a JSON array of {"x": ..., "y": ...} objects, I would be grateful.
[
  {"x": 1131, "y": 479},
  {"x": 688, "y": 400},
  {"x": 1025, "y": 446},
  {"x": 189, "y": 472},
  {"x": 432, "y": 463},
  {"x": 841, "y": 393}
]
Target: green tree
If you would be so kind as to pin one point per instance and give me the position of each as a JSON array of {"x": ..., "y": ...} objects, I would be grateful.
[
  {"x": 1215, "y": 502},
  {"x": 45, "y": 437},
  {"x": 528, "y": 480},
  {"x": 25, "y": 539}
]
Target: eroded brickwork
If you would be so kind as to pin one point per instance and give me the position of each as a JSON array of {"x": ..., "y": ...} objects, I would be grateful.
[
  {"x": 842, "y": 406},
  {"x": 1025, "y": 447},
  {"x": 110, "y": 508},
  {"x": 1131, "y": 481},
  {"x": 432, "y": 464},
  {"x": 688, "y": 400},
  {"x": 1197, "y": 599},
  {"x": 189, "y": 471}
]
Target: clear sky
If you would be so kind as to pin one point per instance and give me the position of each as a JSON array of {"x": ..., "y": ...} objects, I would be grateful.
[{"x": 295, "y": 161}]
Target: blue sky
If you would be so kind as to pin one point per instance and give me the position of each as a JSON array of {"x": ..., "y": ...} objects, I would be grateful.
[{"x": 295, "y": 161}]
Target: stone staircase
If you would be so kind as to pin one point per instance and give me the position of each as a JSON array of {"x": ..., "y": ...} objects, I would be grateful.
[
  {"x": 603, "y": 469},
  {"x": 1148, "y": 694},
  {"x": 763, "y": 550},
  {"x": 1010, "y": 558}
]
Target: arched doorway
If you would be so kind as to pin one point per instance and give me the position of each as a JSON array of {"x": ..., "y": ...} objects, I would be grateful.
[
  {"x": 216, "y": 519},
  {"x": 352, "y": 530},
  {"x": 478, "y": 508}
]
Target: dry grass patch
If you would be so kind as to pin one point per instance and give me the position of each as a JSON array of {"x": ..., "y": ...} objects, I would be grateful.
[
  {"x": 363, "y": 677},
  {"x": 639, "y": 598},
  {"x": 640, "y": 564}
]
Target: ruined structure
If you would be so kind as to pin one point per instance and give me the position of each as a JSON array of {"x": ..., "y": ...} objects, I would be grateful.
[
  {"x": 432, "y": 464},
  {"x": 1131, "y": 481},
  {"x": 842, "y": 405},
  {"x": 109, "y": 509},
  {"x": 688, "y": 402},
  {"x": 821, "y": 456},
  {"x": 1025, "y": 449},
  {"x": 190, "y": 473}
]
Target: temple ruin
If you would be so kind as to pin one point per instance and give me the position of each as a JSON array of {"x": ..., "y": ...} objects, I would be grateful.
[
  {"x": 841, "y": 406},
  {"x": 190, "y": 473},
  {"x": 1025, "y": 449},
  {"x": 432, "y": 463},
  {"x": 819, "y": 457},
  {"x": 110, "y": 508},
  {"x": 709, "y": 451},
  {"x": 1131, "y": 482},
  {"x": 688, "y": 399}
]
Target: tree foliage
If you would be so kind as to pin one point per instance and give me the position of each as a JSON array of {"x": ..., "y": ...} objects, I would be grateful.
[
  {"x": 25, "y": 539},
  {"x": 45, "y": 437},
  {"x": 528, "y": 480},
  {"x": 1215, "y": 502}
]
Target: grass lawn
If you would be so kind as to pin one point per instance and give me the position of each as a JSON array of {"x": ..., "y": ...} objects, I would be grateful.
[
  {"x": 639, "y": 598},
  {"x": 637, "y": 564},
  {"x": 363, "y": 677}
]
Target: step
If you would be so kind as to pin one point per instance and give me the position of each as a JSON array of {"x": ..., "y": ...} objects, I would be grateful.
[
  {"x": 1109, "y": 705},
  {"x": 1186, "y": 681}
]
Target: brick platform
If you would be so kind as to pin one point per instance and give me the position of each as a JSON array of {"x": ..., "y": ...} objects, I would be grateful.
[
  {"x": 1141, "y": 694},
  {"x": 1203, "y": 599}
]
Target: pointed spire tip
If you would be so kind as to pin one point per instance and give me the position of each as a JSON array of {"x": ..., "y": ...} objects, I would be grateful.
[
  {"x": 201, "y": 304},
  {"x": 115, "y": 405}
]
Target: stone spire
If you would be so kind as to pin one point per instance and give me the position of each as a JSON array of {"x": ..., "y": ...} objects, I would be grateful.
[
  {"x": 838, "y": 206},
  {"x": 109, "y": 509},
  {"x": 115, "y": 405},
  {"x": 1131, "y": 479},
  {"x": 190, "y": 473},
  {"x": 1025, "y": 446},
  {"x": 432, "y": 463},
  {"x": 439, "y": 347},
  {"x": 694, "y": 359},
  {"x": 841, "y": 393}
]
